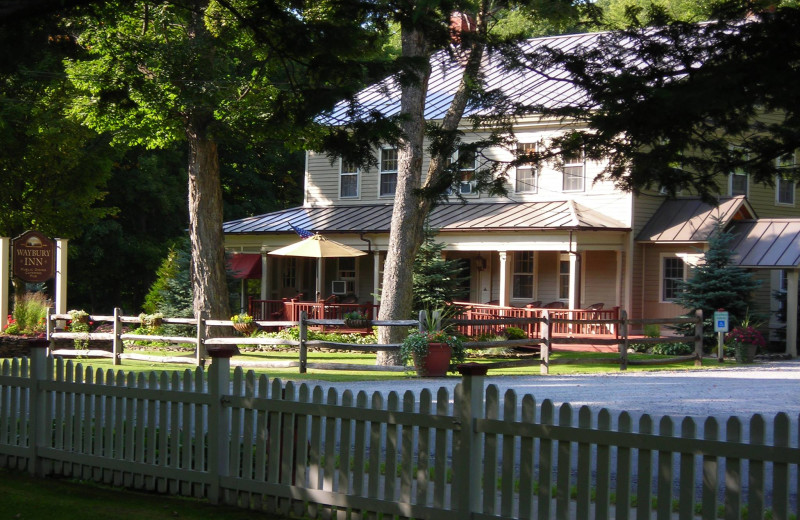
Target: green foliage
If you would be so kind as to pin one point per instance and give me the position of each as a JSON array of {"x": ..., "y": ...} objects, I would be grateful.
[
  {"x": 30, "y": 314},
  {"x": 437, "y": 282},
  {"x": 652, "y": 330},
  {"x": 514, "y": 333},
  {"x": 293, "y": 333},
  {"x": 242, "y": 318},
  {"x": 673, "y": 349},
  {"x": 418, "y": 342}
]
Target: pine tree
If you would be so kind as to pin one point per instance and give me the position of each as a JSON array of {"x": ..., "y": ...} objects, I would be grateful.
[
  {"x": 716, "y": 284},
  {"x": 436, "y": 281}
]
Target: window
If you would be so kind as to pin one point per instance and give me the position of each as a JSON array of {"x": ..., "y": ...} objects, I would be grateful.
[
  {"x": 465, "y": 160},
  {"x": 388, "y": 176},
  {"x": 785, "y": 187},
  {"x": 346, "y": 272},
  {"x": 523, "y": 275},
  {"x": 563, "y": 278},
  {"x": 738, "y": 184},
  {"x": 527, "y": 172},
  {"x": 573, "y": 172},
  {"x": 348, "y": 180},
  {"x": 673, "y": 273},
  {"x": 289, "y": 275}
]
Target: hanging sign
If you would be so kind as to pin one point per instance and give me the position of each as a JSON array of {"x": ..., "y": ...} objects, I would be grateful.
[{"x": 33, "y": 257}]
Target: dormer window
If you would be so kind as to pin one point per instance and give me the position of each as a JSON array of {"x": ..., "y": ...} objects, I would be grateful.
[
  {"x": 784, "y": 185},
  {"x": 527, "y": 173},
  {"x": 388, "y": 172},
  {"x": 348, "y": 180}
]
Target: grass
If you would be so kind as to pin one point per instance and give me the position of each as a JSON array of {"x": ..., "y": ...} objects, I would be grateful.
[
  {"x": 27, "y": 498},
  {"x": 354, "y": 358}
]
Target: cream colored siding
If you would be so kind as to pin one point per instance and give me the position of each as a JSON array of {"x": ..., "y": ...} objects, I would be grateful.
[
  {"x": 599, "y": 283},
  {"x": 547, "y": 277},
  {"x": 652, "y": 305}
]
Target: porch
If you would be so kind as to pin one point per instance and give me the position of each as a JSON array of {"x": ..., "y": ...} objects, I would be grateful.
[{"x": 596, "y": 321}]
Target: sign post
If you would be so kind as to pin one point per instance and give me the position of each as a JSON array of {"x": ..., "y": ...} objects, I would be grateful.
[{"x": 721, "y": 320}]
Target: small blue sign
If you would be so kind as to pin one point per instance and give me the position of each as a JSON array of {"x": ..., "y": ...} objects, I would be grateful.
[{"x": 721, "y": 321}]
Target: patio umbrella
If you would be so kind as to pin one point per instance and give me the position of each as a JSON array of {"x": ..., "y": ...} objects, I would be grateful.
[{"x": 317, "y": 246}]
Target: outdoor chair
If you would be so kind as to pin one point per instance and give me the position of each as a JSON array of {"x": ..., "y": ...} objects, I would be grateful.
[
  {"x": 534, "y": 305},
  {"x": 555, "y": 305}
]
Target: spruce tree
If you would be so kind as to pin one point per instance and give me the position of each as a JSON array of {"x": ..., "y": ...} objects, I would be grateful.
[
  {"x": 437, "y": 282},
  {"x": 717, "y": 284}
]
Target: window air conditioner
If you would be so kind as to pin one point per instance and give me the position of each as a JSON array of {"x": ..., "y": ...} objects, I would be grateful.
[{"x": 339, "y": 287}]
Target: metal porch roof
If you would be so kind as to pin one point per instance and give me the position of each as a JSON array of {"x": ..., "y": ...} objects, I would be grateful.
[
  {"x": 767, "y": 243},
  {"x": 376, "y": 218},
  {"x": 692, "y": 220}
]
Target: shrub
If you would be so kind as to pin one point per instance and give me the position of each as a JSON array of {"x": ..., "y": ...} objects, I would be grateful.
[
  {"x": 673, "y": 349},
  {"x": 515, "y": 333},
  {"x": 30, "y": 313}
]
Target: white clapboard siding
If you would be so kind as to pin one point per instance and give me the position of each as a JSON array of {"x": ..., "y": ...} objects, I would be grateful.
[{"x": 294, "y": 449}]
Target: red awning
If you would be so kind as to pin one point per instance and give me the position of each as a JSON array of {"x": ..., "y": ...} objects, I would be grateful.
[{"x": 245, "y": 265}]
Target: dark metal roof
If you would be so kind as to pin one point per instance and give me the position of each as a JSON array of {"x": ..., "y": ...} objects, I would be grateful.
[
  {"x": 767, "y": 243},
  {"x": 376, "y": 218},
  {"x": 692, "y": 220},
  {"x": 530, "y": 87}
]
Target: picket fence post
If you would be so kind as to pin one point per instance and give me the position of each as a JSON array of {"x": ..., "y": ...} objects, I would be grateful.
[
  {"x": 468, "y": 453},
  {"x": 39, "y": 431},
  {"x": 219, "y": 420},
  {"x": 200, "y": 349}
]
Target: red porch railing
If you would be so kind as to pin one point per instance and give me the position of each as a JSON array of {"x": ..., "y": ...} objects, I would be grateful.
[{"x": 289, "y": 310}]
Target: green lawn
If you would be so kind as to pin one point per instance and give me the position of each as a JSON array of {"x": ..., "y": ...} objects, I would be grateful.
[
  {"x": 27, "y": 498},
  {"x": 353, "y": 358}
]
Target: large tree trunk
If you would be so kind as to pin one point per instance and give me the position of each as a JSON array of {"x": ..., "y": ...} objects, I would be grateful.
[
  {"x": 410, "y": 209},
  {"x": 205, "y": 228},
  {"x": 408, "y": 216}
]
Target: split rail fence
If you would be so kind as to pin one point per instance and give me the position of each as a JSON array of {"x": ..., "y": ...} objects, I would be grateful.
[
  {"x": 552, "y": 328},
  {"x": 260, "y": 444}
]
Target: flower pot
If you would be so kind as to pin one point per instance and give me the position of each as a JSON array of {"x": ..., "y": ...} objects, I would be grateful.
[
  {"x": 245, "y": 328},
  {"x": 436, "y": 362},
  {"x": 356, "y": 324},
  {"x": 745, "y": 352}
]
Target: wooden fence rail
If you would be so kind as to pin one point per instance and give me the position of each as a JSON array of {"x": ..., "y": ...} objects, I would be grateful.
[
  {"x": 476, "y": 454},
  {"x": 550, "y": 328}
]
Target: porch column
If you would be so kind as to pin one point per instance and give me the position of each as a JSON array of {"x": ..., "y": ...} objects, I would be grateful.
[
  {"x": 265, "y": 288},
  {"x": 791, "y": 312},
  {"x": 61, "y": 275},
  {"x": 504, "y": 299},
  {"x": 574, "y": 285},
  {"x": 376, "y": 276}
]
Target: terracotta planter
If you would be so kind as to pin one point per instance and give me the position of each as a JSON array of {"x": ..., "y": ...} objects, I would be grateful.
[
  {"x": 245, "y": 328},
  {"x": 745, "y": 352},
  {"x": 436, "y": 362}
]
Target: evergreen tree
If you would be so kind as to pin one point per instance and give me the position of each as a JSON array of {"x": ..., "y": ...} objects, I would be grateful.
[
  {"x": 716, "y": 284},
  {"x": 437, "y": 282}
]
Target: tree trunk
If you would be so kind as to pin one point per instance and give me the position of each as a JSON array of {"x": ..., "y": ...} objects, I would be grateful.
[
  {"x": 408, "y": 216},
  {"x": 205, "y": 229},
  {"x": 411, "y": 210}
]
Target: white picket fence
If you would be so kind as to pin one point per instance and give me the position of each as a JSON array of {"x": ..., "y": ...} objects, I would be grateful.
[{"x": 290, "y": 448}]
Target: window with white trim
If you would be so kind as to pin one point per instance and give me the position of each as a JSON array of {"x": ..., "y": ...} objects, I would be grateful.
[
  {"x": 573, "y": 172},
  {"x": 388, "y": 172},
  {"x": 466, "y": 161},
  {"x": 738, "y": 183},
  {"x": 673, "y": 274},
  {"x": 348, "y": 180},
  {"x": 563, "y": 277},
  {"x": 527, "y": 173},
  {"x": 346, "y": 271},
  {"x": 784, "y": 186},
  {"x": 522, "y": 278},
  {"x": 289, "y": 274}
]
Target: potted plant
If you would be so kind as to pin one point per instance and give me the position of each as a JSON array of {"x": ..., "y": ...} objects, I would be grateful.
[
  {"x": 244, "y": 323},
  {"x": 78, "y": 316},
  {"x": 356, "y": 320},
  {"x": 745, "y": 340},
  {"x": 432, "y": 353}
]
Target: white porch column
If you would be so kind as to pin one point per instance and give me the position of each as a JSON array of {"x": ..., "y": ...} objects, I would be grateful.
[
  {"x": 5, "y": 279},
  {"x": 376, "y": 277},
  {"x": 791, "y": 312},
  {"x": 264, "y": 274},
  {"x": 61, "y": 275},
  {"x": 574, "y": 286},
  {"x": 504, "y": 297}
]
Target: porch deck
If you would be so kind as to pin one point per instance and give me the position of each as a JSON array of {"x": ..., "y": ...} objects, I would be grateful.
[{"x": 590, "y": 323}]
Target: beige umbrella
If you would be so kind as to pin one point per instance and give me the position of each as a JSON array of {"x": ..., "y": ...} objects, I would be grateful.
[{"x": 317, "y": 246}]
